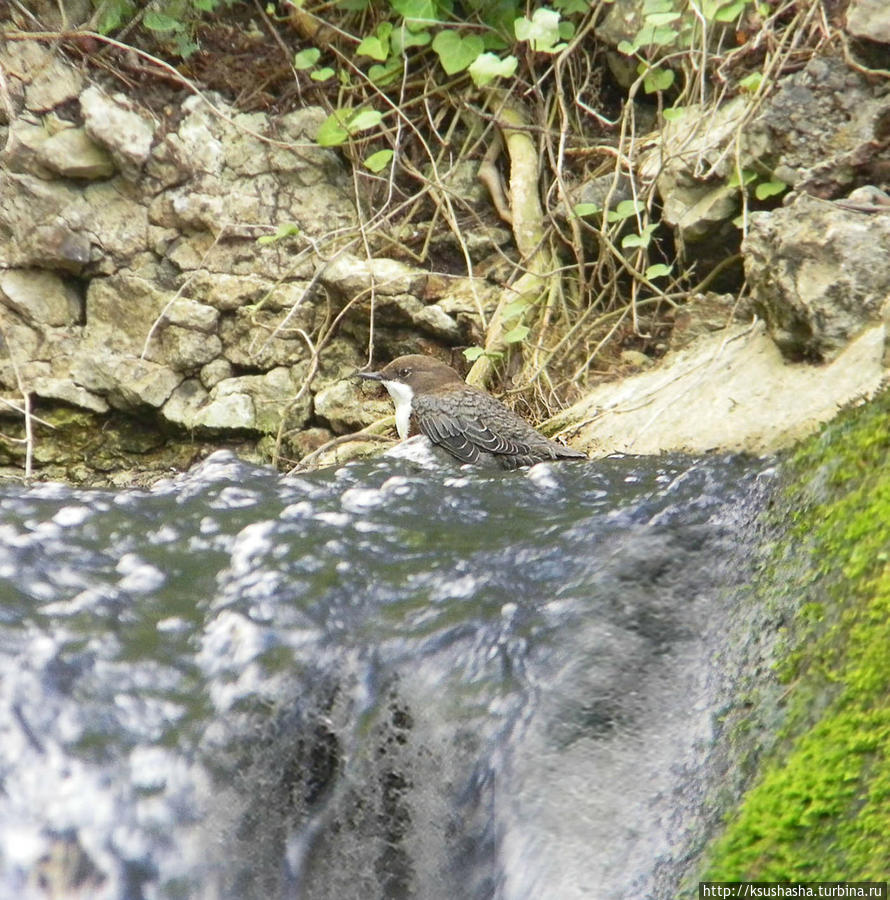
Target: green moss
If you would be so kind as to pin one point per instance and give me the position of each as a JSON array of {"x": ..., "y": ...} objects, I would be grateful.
[{"x": 820, "y": 809}]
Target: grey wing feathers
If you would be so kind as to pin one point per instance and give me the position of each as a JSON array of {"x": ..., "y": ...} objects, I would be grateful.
[{"x": 465, "y": 432}]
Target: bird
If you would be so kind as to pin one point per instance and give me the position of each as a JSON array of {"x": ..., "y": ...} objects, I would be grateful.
[{"x": 473, "y": 426}]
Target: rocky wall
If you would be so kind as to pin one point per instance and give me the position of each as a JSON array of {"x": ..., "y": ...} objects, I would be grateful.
[{"x": 133, "y": 287}]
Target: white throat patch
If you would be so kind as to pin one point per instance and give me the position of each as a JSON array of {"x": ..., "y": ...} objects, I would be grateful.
[{"x": 401, "y": 395}]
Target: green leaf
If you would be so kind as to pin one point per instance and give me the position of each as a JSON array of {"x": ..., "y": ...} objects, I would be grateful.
[
  {"x": 627, "y": 48},
  {"x": 286, "y": 230},
  {"x": 651, "y": 7},
  {"x": 473, "y": 353},
  {"x": 456, "y": 53},
  {"x": 514, "y": 308},
  {"x": 541, "y": 31},
  {"x": 517, "y": 334},
  {"x": 488, "y": 66},
  {"x": 156, "y": 21},
  {"x": 730, "y": 12},
  {"x": 659, "y": 37},
  {"x": 624, "y": 210},
  {"x": 664, "y": 18},
  {"x": 403, "y": 37},
  {"x": 416, "y": 12},
  {"x": 639, "y": 240},
  {"x": 586, "y": 209},
  {"x": 373, "y": 47},
  {"x": 769, "y": 189},
  {"x": 751, "y": 82},
  {"x": 657, "y": 79},
  {"x": 571, "y": 7},
  {"x": 672, "y": 113},
  {"x": 205, "y": 5},
  {"x": 747, "y": 176},
  {"x": 363, "y": 120},
  {"x": 658, "y": 271},
  {"x": 566, "y": 30},
  {"x": 387, "y": 73},
  {"x": 378, "y": 161},
  {"x": 333, "y": 131},
  {"x": 322, "y": 74},
  {"x": 307, "y": 58}
]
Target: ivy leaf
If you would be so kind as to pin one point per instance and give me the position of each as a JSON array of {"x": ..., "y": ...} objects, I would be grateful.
[
  {"x": 586, "y": 209},
  {"x": 416, "y": 13},
  {"x": 156, "y": 21},
  {"x": 751, "y": 82},
  {"x": 307, "y": 58},
  {"x": 517, "y": 334},
  {"x": 322, "y": 74},
  {"x": 541, "y": 31},
  {"x": 333, "y": 131},
  {"x": 657, "y": 79},
  {"x": 747, "y": 176},
  {"x": 372, "y": 46},
  {"x": 385, "y": 74},
  {"x": 672, "y": 113},
  {"x": 662, "y": 18},
  {"x": 570, "y": 7},
  {"x": 286, "y": 230},
  {"x": 378, "y": 161},
  {"x": 769, "y": 189},
  {"x": 658, "y": 271},
  {"x": 515, "y": 308},
  {"x": 639, "y": 240},
  {"x": 363, "y": 120},
  {"x": 627, "y": 48},
  {"x": 624, "y": 210},
  {"x": 473, "y": 353},
  {"x": 488, "y": 66},
  {"x": 342, "y": 123},
  {"x": 456, "y": 53}
]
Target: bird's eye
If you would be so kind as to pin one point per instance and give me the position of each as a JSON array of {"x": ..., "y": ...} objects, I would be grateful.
[{"x": 404, "y": 373}]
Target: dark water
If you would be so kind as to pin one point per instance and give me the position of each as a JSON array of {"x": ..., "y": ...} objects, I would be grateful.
[{"x": 375, "y": 682}]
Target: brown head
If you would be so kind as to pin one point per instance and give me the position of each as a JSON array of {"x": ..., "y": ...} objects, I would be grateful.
[{"x": 421, "y": 374}]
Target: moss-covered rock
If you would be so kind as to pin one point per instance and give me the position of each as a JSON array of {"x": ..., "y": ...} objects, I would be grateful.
[{"x": 819, "y": 809}]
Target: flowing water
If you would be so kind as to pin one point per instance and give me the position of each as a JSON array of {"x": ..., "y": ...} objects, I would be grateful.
[{"x": 379, "y": 681}]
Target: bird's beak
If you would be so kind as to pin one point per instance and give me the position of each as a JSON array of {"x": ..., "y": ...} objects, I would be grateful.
[{"x": 369, "y": 376}]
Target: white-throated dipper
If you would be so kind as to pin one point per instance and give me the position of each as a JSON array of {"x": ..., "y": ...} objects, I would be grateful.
[{"x": 432, "y": 399}]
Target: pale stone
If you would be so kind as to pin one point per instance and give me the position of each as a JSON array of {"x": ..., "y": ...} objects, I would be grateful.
[
  {"x": 353, "y": 276},
  {"x": 65, "y": 389},
  {"x": 127, "y": 135},
  {"x": 731, "y": 391},
  {"x": 184, "y": 403},
  {"x": 40, "y": 297},
  {"x": 72, "y": 154}
]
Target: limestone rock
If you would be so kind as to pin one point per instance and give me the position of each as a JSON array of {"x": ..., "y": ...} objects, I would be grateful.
[
  {"x": 260, "y": 337},
  {"x": 822, "y": 127},
  {"x": 819, "y": 273},
  {"x": 254, "y": 403},
  {"x": 869, "y": 19},
  {"x": 184, "y": 403},
  {"x": 692, "y": 167},
  {"x": 127, "y": 382},
  {"x": 67, "y": 390},
  {"x": 351, "y": 276},
  {"x": 72, "y": 154},
  {"x": 345, "y": 407},
  {"x": 49, "y": 80},
  {"x": 215, "y": 371},
  {"x": 111, "y": 123},
  {"x": 745, "y": 397},
  {"x": 40, "y": 297}
]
